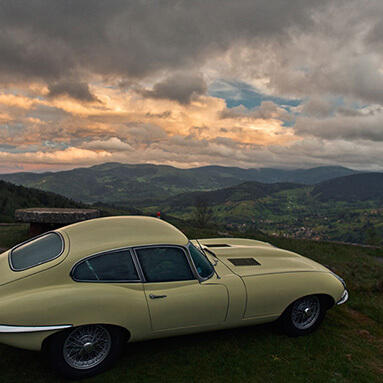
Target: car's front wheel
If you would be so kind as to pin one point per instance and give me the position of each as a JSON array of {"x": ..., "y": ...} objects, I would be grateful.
[
  {"x": 304, "y": 315},
  {"x": 85, "y": 351}
]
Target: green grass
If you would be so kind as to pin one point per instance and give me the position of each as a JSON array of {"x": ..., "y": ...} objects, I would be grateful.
[{"x": 348, "y": 347}]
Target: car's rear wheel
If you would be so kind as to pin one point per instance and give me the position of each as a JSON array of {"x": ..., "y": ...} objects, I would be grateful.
[
  {"x": 85, "y": 351},
  {"x": 304, "y": 315}
]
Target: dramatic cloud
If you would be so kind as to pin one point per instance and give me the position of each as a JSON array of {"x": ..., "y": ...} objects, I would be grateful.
[
  {"x": 267, "y": 110},
  {"x": 50, "y": 40},
  {"x": 77, "y": 90},
  {"x": 250, "y": 83},
  {"x": 345, "y": 126},
  {"x": 114, "y": 144},
  {"x": 182, "y": 88}
]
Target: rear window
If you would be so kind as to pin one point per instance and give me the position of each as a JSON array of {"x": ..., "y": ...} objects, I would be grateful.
[{"x": 36, "y": 251}]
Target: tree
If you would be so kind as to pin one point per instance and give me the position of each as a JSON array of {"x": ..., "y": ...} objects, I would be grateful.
[{"x": 203, "y": 211}]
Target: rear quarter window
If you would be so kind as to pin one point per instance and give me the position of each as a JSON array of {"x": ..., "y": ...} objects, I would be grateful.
[{"x": 36, "y": 251}]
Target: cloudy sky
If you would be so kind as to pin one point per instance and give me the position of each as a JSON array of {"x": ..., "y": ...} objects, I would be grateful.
[{"x": 249, "y": 83}]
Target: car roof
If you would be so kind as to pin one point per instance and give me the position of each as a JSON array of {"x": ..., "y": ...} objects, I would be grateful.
[{"x": 102, "y": 234}]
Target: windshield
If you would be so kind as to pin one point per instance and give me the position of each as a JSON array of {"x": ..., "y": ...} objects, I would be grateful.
[{"x": 204, "y": 267}]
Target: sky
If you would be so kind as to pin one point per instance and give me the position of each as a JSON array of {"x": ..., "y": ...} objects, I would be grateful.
[{"x": 187, "y": 83}]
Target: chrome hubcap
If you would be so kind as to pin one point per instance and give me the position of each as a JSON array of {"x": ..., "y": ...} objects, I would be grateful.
[
  {"x": 87, "y": 346},
  {"x": 305, "y": 312}
]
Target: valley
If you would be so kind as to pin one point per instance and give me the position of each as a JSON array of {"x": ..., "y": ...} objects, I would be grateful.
[{"x": 322, "y": 204}]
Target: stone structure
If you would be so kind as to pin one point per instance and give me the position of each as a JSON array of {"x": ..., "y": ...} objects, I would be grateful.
[{"x": 45, "y": 219}]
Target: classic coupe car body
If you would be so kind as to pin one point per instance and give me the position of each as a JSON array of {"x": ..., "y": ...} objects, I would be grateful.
[{"x": 82, "y": 289}]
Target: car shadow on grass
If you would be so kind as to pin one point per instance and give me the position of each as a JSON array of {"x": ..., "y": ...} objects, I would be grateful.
[{"x": 173, "y": 358}]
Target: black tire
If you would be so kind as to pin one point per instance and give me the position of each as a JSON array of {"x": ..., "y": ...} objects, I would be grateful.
[
  {"x": 304, "y": 315},
  {"x": 85, "y": 351}
]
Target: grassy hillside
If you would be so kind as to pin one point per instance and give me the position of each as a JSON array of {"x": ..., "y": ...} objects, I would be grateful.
[
  {"x": 246, "y": 191},
  {"x": 347, "y": 348},
  {"x": 360, "y": 187},
  {"x": 121, "y": 184},
  {"x": 294, "y": 210},
  {"x": 14, "y": 197}
]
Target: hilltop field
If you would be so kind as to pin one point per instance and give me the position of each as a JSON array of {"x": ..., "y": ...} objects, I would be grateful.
[{"x": 348, "y": 347}]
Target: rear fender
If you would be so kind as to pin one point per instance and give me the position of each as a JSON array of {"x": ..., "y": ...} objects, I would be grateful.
[{"x": 120, "y": 305}]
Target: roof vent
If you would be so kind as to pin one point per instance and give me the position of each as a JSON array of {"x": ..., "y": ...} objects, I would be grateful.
[
  {"x": 244, "y": 262},
  {"x": 216, "y": 245}
]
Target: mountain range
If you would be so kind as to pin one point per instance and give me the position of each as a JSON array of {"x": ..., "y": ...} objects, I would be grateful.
[
  {"x": 122, "y": 184},
  {"x": 347, "y": 208}
]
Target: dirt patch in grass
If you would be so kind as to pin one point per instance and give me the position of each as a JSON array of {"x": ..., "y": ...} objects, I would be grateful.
[
  {"x": 359, "y": 317},
  {"x": 373, "y": 338}
]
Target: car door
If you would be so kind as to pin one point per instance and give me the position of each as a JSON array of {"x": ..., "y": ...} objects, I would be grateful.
[{"x": 175, "y": 296}]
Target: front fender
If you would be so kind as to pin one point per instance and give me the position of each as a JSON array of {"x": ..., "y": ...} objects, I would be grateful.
[{"x": 271, "y": 294}]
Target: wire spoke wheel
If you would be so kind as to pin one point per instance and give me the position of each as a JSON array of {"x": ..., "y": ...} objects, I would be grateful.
[
  {"x": 305, "y": 312},
  {"x": 87, "y": 346},
  {"x": 85, "y": 351}
]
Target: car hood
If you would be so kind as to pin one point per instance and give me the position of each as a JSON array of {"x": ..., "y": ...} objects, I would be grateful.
[{"x": 246, "y": 257}]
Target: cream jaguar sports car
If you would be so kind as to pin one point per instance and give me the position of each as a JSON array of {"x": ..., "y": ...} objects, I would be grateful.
[{"x": 82, "y": 291}]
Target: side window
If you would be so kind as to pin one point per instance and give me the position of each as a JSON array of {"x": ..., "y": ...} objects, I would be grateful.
[
  {"x": 163, "y": 264},
  {"x": 109, "y": 267}
]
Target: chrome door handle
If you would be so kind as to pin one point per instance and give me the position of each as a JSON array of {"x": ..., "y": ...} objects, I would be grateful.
[{"x": 153, "y": 296}]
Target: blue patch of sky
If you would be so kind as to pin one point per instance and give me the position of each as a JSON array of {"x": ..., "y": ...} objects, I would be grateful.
[
  {"x": 16, "y": 150},
  {"x": 6, "y": 147},
  {"x": 237, "y": 93},
  {"x": 288, "y": 124},
  {"x": 338, "y": 102},
  {"x": 56, "y": 145},
  {"x": 13, "y": 129}
]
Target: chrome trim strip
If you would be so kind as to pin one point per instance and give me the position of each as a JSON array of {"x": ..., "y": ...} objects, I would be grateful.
[
  {"x": 343, "y": 299},
  {"x": 23, "y": 329}
]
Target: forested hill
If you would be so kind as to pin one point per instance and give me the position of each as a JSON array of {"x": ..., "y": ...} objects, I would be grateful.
[
  {"x": 121, "y": 184},
  {"x": 244, "y": 192},
  {"x": 358, "y": 187},
  {"x": 14, "y": 197}
]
